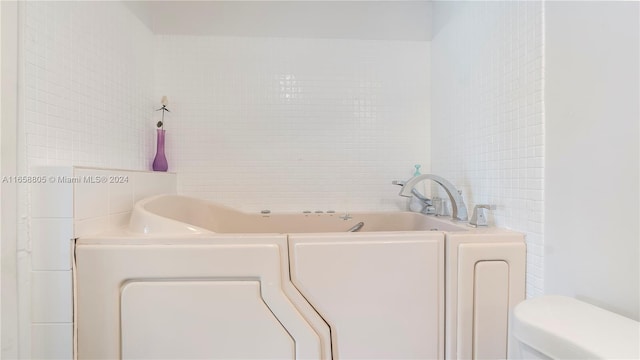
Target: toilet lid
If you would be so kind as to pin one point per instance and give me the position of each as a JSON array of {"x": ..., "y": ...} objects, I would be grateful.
[{"x": 562, "y": 327}]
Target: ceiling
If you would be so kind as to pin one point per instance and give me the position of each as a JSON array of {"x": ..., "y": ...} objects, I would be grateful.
[{"x": 367, "y": 20}]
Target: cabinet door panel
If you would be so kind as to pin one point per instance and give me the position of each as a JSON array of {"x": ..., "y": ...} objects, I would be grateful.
[
  {"x": 191, "y": 281},
  {"x": 381, "y": 294},
  {"x": 200, "y": 320},
  {"x": 490, "y": 282},
  {"x": 491, "y": 301}
]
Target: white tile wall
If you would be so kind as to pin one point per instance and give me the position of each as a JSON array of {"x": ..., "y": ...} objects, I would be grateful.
[
  {"x": 51, "y": 198},
  {"x": 51, "y": 294},
  {"x": 91, "y": 200},
  {"x": 53, "y": 341},
  {"x": 87, "y": 81},
  {"x": 294, "y": 124},
  {"x": 488, "y": 113},
  {"x": 65, "y": 207},
  {"x": 102, "y": 206},
  {"x": 50, "y": 243}
]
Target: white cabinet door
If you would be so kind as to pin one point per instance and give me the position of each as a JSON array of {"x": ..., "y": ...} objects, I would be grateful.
[
  {"x": 381, "y": 294},
  {"x": 218, "y": 319},
  {"x": 220, "y": 297}
]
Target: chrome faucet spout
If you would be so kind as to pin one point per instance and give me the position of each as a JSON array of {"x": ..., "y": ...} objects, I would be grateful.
[{"x": 458, "y": 207}]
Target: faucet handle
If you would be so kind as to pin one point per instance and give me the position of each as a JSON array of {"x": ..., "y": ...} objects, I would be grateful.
[{"x": 478, "y": 218}]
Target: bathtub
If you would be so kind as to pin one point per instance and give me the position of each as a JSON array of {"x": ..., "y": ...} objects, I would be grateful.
[
  {"x": 193, "y": 279},
  {"x": 175, "y": 214}
]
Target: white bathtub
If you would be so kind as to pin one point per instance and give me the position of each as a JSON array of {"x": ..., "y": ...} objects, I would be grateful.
[
  {"x": 175, "y": 214},
  {"x": 192, "y": 279}
]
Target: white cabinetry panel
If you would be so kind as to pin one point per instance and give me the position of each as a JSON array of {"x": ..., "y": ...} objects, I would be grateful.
[
  {"x": 381, "y": 294},
  {"x": 200, "y": 320},
  {"x": 485, "y": 281},
  {"x": 196, "y": 266},
  {"x": 491, "y": 301}
]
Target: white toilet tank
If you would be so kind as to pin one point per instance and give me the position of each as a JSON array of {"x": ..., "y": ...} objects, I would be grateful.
[{"x": 560, "y": 327}]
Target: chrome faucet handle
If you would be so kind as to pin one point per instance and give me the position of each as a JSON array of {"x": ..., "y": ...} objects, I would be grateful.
[
  {"x": 478, "y": 218},
  {"x": 415, "y": 192}
]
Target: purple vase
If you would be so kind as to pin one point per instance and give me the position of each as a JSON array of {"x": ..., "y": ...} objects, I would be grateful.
[{"x": 160, "y": 162}]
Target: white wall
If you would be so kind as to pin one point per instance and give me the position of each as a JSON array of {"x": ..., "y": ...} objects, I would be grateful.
[
  {"x": 591, "y": 205},
  {"x": 86, "y": 82},
  {"x": 488, "y": 114},
  {"x": 88, "y": 78},
  {"x": 363, "y": 20},
  {"x": 294, "y": 124},
  {"x": 1, "y": 77},
  {"x": 8, "y": 198}
]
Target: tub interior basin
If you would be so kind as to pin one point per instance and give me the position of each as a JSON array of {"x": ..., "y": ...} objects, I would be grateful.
[{"x": 172, "y": 214}]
